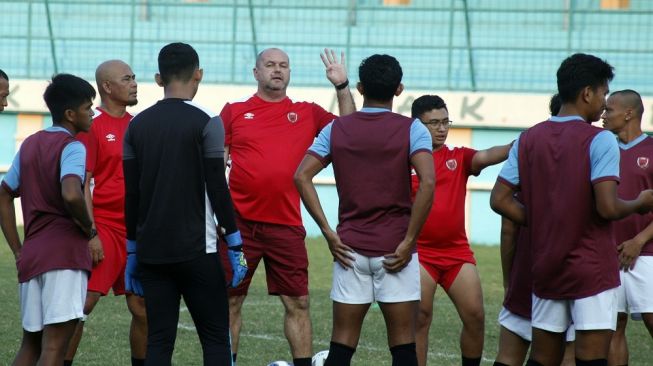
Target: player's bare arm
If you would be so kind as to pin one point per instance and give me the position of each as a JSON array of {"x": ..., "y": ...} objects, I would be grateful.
[
  {"x": 94, "y": 245},
  {"x": 630, "y": 249},
  {"x": 73, "y": 198},
  {"x": 503, "y": 202},
  {"x": 508, "y": 242},
  {"x": 8, "y": 222},
  {"x": 610, "y": 207},
  {"x": 422, "y": 162},
  {"x": 494, "y": 155},
  {"x": 308, "y": 168},
  {"x": 336, "y": 72}
]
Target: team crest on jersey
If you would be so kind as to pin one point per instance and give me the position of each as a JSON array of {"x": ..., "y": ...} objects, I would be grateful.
[
  {"x": 111, "y": 137},
  {"x": 452, "y": 164},
  {"x": 642, "y": 162},
  {"x": 292, "y": 117},
  {"x": 249, "y": 115}
]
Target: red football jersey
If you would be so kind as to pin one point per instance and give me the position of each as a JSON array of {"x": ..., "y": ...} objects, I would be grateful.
[
  {"x": 443, "y": 235},
  {"x": 267, "y": 141},
  {"x": 104, "y": 160}
]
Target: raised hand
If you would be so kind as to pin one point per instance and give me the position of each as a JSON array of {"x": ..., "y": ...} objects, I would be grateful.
[{"x": 336, "y": 71}]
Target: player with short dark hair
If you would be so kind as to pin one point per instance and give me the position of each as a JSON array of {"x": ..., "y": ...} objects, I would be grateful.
[
  {"x": 443, "y": 249},
  {"x": 266, "y": 136},
  {"x": 54, "y": 261},
  {"x": 567, "y": 171},
  {"x": 104, "y": 190},
  {"x": 174, "y": 183},
  {"x": 4, "y": 90},
  {"x": 633, "y": 234},
  {"x": 374, "y": 248},
  {"x": 515, "y": 334}
]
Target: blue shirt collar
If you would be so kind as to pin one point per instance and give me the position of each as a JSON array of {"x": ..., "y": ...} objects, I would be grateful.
[
  {"x": 373, "y": 110},
  {"x": 636, "y": 141},
  {"x": 58, "y": 129},
  {"x": 565, "y": 118}
]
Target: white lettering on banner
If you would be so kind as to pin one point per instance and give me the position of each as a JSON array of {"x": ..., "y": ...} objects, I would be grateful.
[{"x": 466, "y": 109}]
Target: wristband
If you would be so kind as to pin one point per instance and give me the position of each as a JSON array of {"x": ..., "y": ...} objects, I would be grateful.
[
  {"x": 343, "y": 85},
  {"x": 131, "y": 246},
  {"x": 92, "y": 234},
  {"x": 233, "y": 239}
]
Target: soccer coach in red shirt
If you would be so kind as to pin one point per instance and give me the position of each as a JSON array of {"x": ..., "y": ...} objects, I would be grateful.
[{"x": 266, "y": 136}]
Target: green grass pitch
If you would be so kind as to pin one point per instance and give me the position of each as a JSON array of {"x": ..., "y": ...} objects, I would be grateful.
[{"x": 106, "y": 342}]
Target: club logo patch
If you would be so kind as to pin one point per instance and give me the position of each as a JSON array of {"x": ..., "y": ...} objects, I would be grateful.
[
  {"x": 292, "y": 117},
  {"x": 642, "y": 162},
  {"x": 452, "y": 164}
]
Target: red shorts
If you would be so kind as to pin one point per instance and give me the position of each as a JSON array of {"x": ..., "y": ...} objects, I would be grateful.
[
  {"x": 283, "y": 250},
  {"x": 110, "y": 272},
  {"x": 444, "y": 270}
]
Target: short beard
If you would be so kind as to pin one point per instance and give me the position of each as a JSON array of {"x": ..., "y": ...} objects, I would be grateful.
[{"x": 269, "y": 86}]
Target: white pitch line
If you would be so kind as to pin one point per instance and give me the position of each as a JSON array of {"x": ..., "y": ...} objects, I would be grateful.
[{"x": 268, "y": 337}]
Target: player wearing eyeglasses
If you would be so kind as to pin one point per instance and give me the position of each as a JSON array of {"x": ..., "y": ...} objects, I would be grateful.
[{"x": 443, "y": 249}]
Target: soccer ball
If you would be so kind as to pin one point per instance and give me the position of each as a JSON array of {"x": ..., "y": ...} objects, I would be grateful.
[
  {"x": 279, "y": 363},
  {"x": 319, "y": 358}
]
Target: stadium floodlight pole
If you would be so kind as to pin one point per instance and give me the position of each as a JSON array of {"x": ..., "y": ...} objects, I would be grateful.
[{"x": 53, "y": 50}]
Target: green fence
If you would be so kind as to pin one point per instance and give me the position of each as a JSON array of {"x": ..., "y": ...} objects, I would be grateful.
[{"x": 482, "y": 45}]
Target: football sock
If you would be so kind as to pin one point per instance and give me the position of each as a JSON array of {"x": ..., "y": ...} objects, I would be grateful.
[
  {"x": 306, "y": 361},
  {"x": 233, "y": 357},
  {"x": 597, "y": 362},
  {"x": 67, "y": 362},
  {"x": 404, "y": 355},
  {"x": 468, "y": 361},
  {"x": 339, "y": 355},
  {"x": 497, "y": 363},
  {"x": 138, "y": 361}
]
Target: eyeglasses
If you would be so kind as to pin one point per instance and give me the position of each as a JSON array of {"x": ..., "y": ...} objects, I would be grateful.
[{"x": 438, "y": 123}]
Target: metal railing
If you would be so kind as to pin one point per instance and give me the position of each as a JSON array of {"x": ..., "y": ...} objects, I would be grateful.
[{"x": 500, "y": 45}]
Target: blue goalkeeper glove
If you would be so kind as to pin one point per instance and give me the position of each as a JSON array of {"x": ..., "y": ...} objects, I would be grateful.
[
  {"x": 236, "y": 258},
  {"x": 132, "y": 270}
]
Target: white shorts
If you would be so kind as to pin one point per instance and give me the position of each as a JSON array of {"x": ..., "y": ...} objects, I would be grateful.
[
  {"x": 368, "y": 281},
  {"x": 589, "y": 313},
  {"x": 635, "y": 295},
  {"x": 52, "y": 297},
  {"x": 522, "y": 326}
]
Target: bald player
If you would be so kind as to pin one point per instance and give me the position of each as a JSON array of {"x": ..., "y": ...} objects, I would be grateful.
[
  {"x": 266, "y": 137},
  {"x": 633, "y": 234},
  {"x": 105, "y": 198}
]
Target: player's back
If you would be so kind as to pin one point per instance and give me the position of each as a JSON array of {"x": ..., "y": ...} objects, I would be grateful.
[
  {"x": 371, "y": 164},
  {"x": 570, "y": 241},
  {"x": 52, "y": 239},
  {"x": 166, "y": 140}
]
